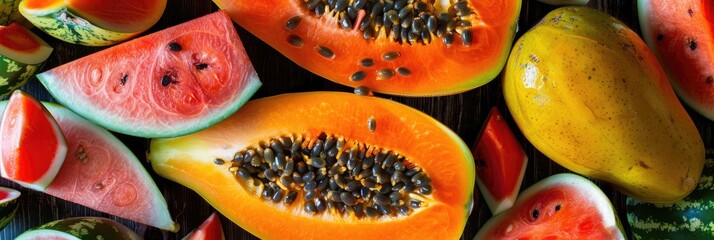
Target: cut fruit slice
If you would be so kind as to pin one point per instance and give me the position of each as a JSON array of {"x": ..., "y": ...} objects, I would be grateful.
[
  {"x": 8, "y": 205},
  {"x": 32, "y": 146},
  {"x": 211, "y": 229},
  {"x": 21, "y": 55},
  {"x": 93, "y": 22},
  {"x": 562, "y": 206},
  {"x": 100, "y": 172},
  {"x": 500, "y": 163},
  {"x": 84, "y": 228},
  {"x": 169, "y": 83}
]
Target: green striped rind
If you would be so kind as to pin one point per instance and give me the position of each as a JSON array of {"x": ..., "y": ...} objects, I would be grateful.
[
  {"x": 93, "y": 228},
  {"x": 8, "y": 11},
  {"x": 691, "y": 218},
  {"x": 14, "y": 74},
  {"x": 66, "y": 26},
  {"x": 8, "y": 206}
]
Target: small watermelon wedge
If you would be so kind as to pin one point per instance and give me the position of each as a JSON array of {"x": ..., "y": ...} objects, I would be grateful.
[
  {"x": 211, "y": 229},
  {"x": 500, "y": 163},
  {"x": 101, "y": 173},
  {"x": 169, "y": 83},
  {"x": 21, "y": 55},
  {"x": 82, "y": 228},
  {"x": 32, "y": 146},
  {"x": 8, "y": 205},
  {"x": 562, "y": 206},
  {"x": 680, "y": 35}
]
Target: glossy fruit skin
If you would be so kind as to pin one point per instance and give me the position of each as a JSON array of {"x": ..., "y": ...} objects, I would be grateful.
[
  {"x": 588, "y": 93},
  {"x": 8, "y": 205},
  {"x": 679, "y": 34},
  {"x": 68, "y": 21},
  {"x": 144, "y": 88},
  {"x": 435, "y": 68},
  {"x": 22, "y": 53},
  {"x": 189, "y": 160},
  {"x": 500, "y": 163},
  {"x": 80, "y": 228},
  {"x": 562, "y": 206},
  {"x": 125, "y": 190},
  {"x": 32, "y": 145},
  {"x": 689, "y": 218}
]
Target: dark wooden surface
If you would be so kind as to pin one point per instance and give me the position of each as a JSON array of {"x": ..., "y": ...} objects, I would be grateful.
[{"x": 464, "y": 113}]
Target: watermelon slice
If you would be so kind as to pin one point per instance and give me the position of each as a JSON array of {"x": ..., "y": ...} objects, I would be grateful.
[
  {"x": 169, "y": 83},
  {"x": 210, "y": 229},
  {"x": 680, "y": 35},
  {"x": 500, "y": 163},
  {"x": 8, "y": 205},
  {"x": 32, "y": 146},
  {"x": 562, "y": 206},
  {"x": 84, "y": 228},
  {"x": 21, "y": 54},
  {"x": 100, "y": 172}
]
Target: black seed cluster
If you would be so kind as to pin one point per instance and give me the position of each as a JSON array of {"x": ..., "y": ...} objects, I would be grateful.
[
  {"x": 329, "y": 175},
  {"x": 403, "y": 21}
]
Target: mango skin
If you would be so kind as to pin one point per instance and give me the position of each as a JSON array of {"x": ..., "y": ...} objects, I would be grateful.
[{"x": 588, "y": 93}]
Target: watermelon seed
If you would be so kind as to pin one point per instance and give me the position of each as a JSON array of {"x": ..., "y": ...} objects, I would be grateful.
[
  {"x": 692, "y": 44},
  {"x": 201, "y": 66},
  {"x": 691, "y": 13},
  {"x": 660, "y": 37},
  {"x": 165, "y": 80},
  {"x": 557, "y": 207},
  {"x": 292, "y": 23},
  {"x": 175, "y": 47},
  {"x": 536, "y": 214},
  {"x": 123, "y": 79},
  {"x": 295, "y": 41},
  {"x": 324, "y": 51},
  {"x": 710, "y": 79}
]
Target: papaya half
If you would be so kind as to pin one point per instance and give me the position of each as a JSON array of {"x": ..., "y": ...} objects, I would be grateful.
[
  {"x": 327, "y": 166},
  {"x": 401, "y": 47}
]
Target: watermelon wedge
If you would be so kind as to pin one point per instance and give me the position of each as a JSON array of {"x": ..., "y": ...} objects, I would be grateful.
[
  {"x": 21, "y": 55},
  {"x": 82, "y": 228},
  {"x": 211, "y": 229},
  {"x": 8, "y": 205},
  {"x": 562, "y": 206},
  {"x": 32, "y": 146},
  {"x": 500, "y": 163},
  {"x": 680, "y": 35},
  {"x": 101, "y": 173},
  {"x": 169, "y": 83}
]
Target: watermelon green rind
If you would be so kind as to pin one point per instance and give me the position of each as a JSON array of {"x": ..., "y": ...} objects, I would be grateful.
[
  {"x": 690, "y": 218},
  {"x": 8, "y": 11},
  {"x": 84, "y": 228},
  {"x": 63, "y": 24},
  {"x": 163, "y": 218},
  {"x": 86, "y": 109},
  {"x": 587, "y": 189},
  {"x": 8, "y": 206},
  {"x": 14, "y": 74}
]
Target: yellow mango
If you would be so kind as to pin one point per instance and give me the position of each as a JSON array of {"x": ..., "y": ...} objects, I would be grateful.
[{"x": 588, "y": 93}]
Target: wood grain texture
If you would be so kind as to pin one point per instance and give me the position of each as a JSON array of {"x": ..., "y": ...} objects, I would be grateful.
[{"x": 464, "y": 113}]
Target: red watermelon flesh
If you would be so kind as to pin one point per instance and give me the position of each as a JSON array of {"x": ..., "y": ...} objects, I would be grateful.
[
  {"x": 169, "y": 83},
  {"x": 562, "y": 206},
  {"x": 101, "y": 173},
  {"x": 32, "y": 147},
  {"x": 211, "y": 229},
  {"x": 500, "y": 163},
  {"x": 680, "y": 33}
]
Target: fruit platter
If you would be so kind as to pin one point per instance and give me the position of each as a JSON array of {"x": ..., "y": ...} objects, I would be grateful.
[{"x": 356, "y": 119}]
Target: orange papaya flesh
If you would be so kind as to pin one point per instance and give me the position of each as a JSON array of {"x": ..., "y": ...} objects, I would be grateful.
[
  {"x": 207, "y": 162},
  {"x": 422, "y": 64}
]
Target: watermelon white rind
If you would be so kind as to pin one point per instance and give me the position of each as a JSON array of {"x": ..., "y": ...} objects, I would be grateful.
[
  {"x": 84, "y": 228},
  {"x": 586, "y": 193},
  {"x": 35, "y": 56},
  {"x": 13, "y": 129},
  {"x": 690, "y": 218},
  {"x": 18, "y": 67},
  {"x": 79, "y": 185},
  {"x": 143, "y": 88},
  {"x": 8, "y": 206}
]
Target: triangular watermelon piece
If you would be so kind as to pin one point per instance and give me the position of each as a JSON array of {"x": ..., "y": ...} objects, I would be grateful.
[{"x": 169, "y": 83}]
